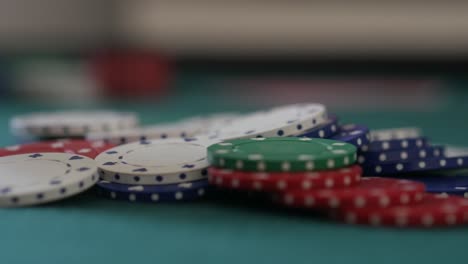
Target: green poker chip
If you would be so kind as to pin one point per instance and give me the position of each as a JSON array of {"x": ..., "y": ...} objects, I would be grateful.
[{"x": 282, "y": 154}]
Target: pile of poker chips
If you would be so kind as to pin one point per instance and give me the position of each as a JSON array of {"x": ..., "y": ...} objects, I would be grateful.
[
  {"x": 298, "y": 155},
  {"x": 400, "y": 151},
  {"x": 314, "y": 174},
  {"x": 155, "y": 170},
  {"x": 340, "y": 191},
  {"x": 407, "y": 153},
  {"x": 59, "y": 167}
]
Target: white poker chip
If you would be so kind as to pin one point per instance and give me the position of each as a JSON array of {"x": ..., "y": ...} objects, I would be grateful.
[
  {"x": 182, "y": 129},
  {"x": 37, "y": 178},
  {"x": 70, "y": 123},
  {"x": 214, "y": 121},
  {"x": 290, "y": 120},
  {"x": 454, "y": 151},
  {"x": 395, "y": 133},
  {"x": 155, "y": 162}
]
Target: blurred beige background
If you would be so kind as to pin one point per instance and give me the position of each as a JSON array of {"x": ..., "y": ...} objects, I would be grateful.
[{"x": 428, "y": 28}]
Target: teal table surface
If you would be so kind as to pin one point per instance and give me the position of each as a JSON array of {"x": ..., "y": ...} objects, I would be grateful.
[{"x": 89, "y": 229}]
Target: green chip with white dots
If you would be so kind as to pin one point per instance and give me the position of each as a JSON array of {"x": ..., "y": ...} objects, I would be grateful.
[{"x": 281, "y": 154}]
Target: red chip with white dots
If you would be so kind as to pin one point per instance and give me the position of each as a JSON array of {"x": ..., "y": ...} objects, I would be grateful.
[
  {"x": 431, "y": 211},
  {"x": 371, "y": 192},
  {"x": 282, "y": 181},
  {"x": 73, "y": 146}
]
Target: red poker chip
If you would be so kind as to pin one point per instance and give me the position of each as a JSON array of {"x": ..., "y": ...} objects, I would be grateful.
[
  {"x": 371, "y": 192},
  {"x": 82, "y": 147},
  {"x": 281, "y": 181},
  {"x": 431, "y": 211}
]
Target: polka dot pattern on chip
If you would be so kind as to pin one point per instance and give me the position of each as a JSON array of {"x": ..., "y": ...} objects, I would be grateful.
[
  {"x": 281, "y": 181},
  {"x": 284, "y": 121},
  {"x": 70, "y": 123},
  {"x": 155, "y": 162},
  {"x": 279, "y": 154},
  {"x": 431, "y": 211},
  {"x": 37, "y": 178},
  {"x": 186, "y": 191},
  {"x": 370, "y": 192}
]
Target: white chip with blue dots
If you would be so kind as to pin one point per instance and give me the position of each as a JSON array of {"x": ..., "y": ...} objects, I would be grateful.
[
  {"x": 71, "y": 123},
  {"x": 289, "y": 120},
  {"x": 37, "y": 178},
  {"x": 154, "y": 162},
  {"x": 185, "y": 128}
]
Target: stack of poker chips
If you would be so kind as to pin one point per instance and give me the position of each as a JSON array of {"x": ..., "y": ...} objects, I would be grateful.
[
  {"x": 399, "y": 151},
  {"x": 319, "y": 175},
  {"x": 298, "y": 156},
  {"x": 407, "y": 153},
  {"x": 154, "y": 171},
  {"x": 282, "y": 163}
]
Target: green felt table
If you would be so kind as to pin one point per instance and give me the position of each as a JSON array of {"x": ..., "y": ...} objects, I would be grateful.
[{"x": 89, "y": 229}]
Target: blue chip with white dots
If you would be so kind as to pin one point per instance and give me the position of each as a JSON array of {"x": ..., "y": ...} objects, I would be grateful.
[
  {"x": 37, "y": 178},
  {"x": 397, "y": 144},
  {"x": 156, "y": 162},
  {"x": 456, "y": 184},
  {"x": 454, "y": 158},
  {"x": 357, "y": 135},
  {"x": 371, "y": 157},
  {"x": 186, "y": 191}
]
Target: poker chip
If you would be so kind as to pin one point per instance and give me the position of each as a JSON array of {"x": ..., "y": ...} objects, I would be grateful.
[
  {"x": 184, "y": 129},
  {"x": 155, "y": 162},
  {"x": 395, "y": 133},
  {"x": 295, "y": 155},
  {"x": 291, "y": 120},
  {"x": 325, "y": 130},
  {"x": 358, "y": 135},
  {"x": 370, "y": 192},
  {"x": 37, "y": 178},
  {"x": 281, "y": 154},
  {"x": 442, "y": 184},
  {"x": 400, "y": 155},
  {"x": 185, "y": 191},
  {"x": 86, "y": 148},
  {"x": 280, "y": 181},
  {"x": 98, "y": 145},
  {"x": 162, "y": 131},
  {"x": 454, "y": 158},
  {"x": 431, "y": 211},
  {"x": 396, "y": 144},
  {"x": 70, "y": 123}
]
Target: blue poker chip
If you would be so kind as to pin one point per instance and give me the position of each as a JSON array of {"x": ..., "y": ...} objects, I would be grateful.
[
  {"x": 326, "y": 130},
  {"x": 451, "y": 185},
  {"x": 396, "y": 144},
  {"x": 454, "y": 159},
  {"x": 358, "y": 135},
  {"x": 186, "y": 191},
  {"x": 372, "y": 157}
]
